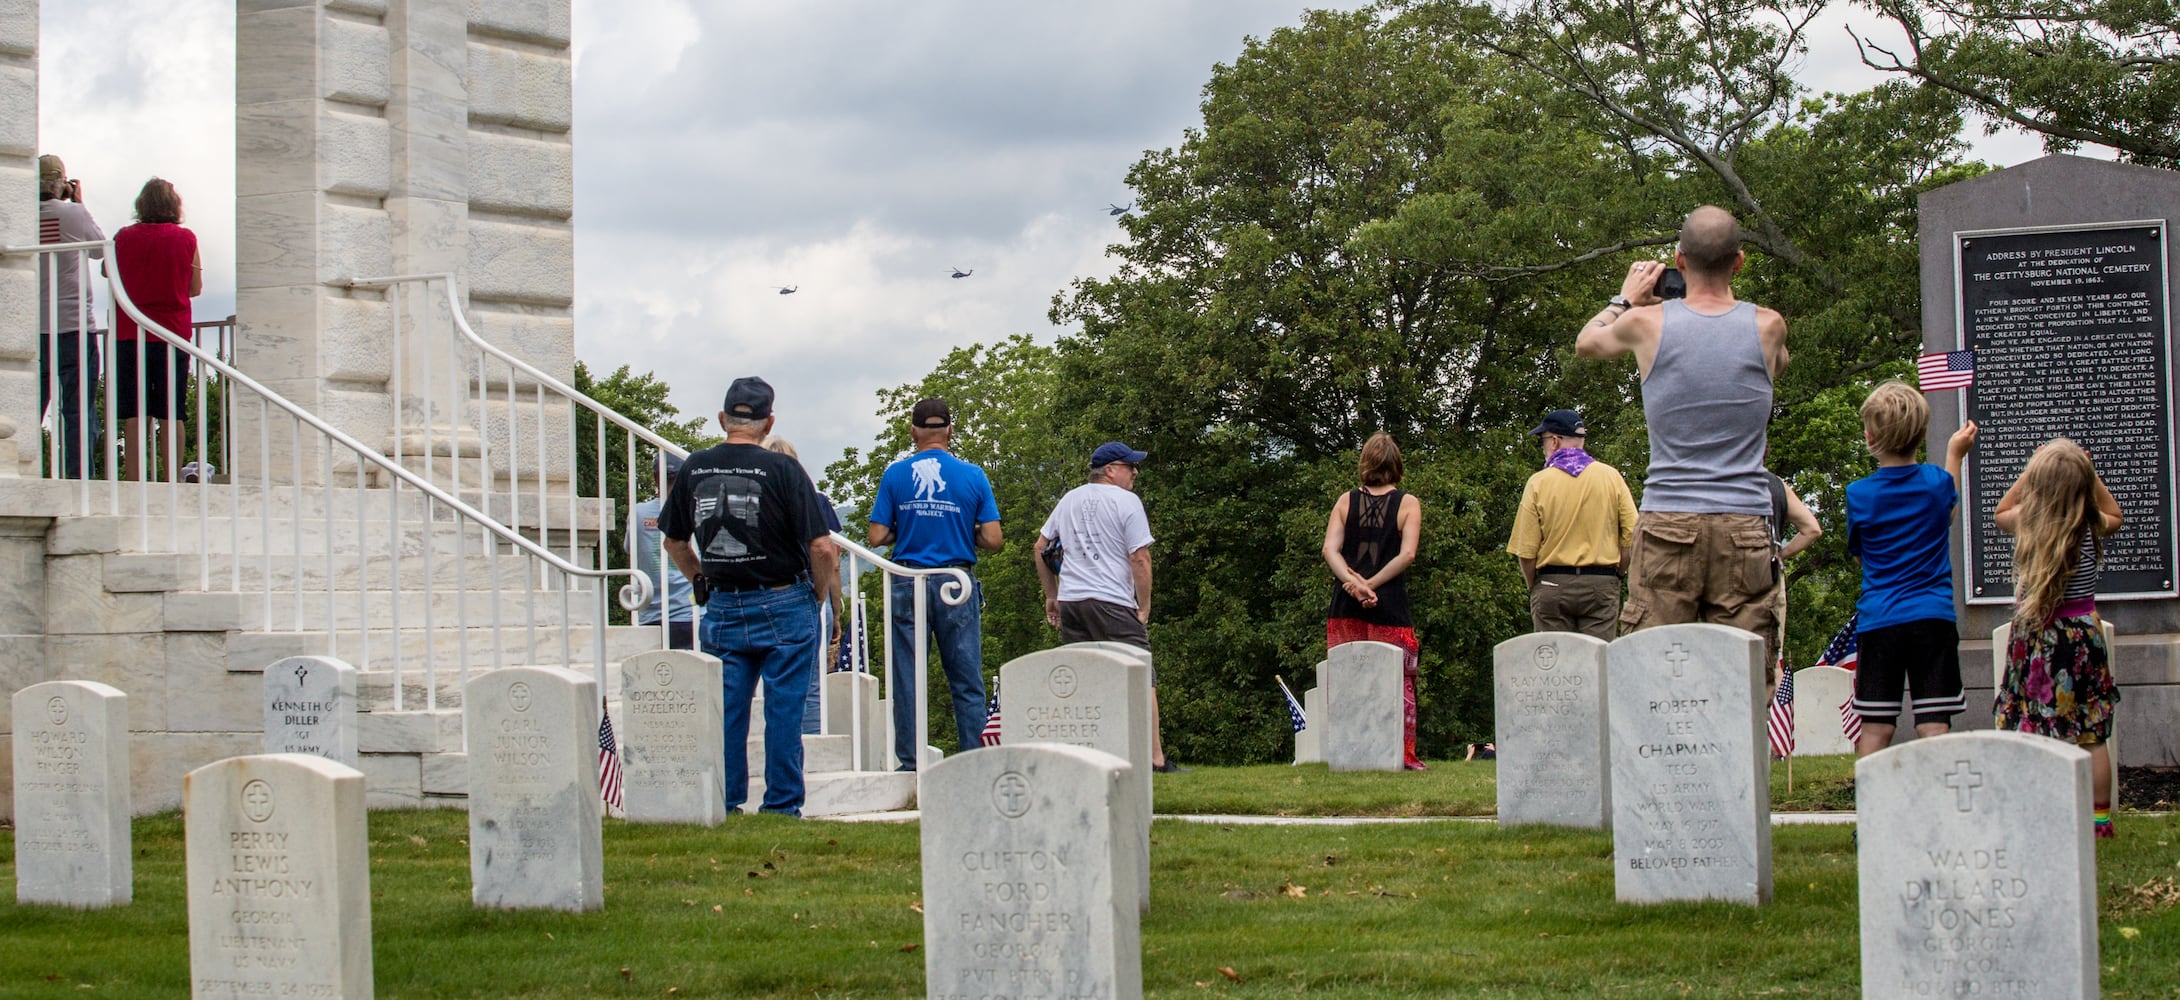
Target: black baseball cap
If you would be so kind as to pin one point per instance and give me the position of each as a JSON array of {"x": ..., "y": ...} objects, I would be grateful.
[
  {"x": 931, "y": 414},
  {"x": 1114, "y": 451},
  {"x": 1565, "y": 423},
  {"x": 749, "y": 398}
]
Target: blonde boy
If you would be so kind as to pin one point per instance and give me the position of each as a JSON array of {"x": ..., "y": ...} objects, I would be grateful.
[{"x": 1897, "y": 523}]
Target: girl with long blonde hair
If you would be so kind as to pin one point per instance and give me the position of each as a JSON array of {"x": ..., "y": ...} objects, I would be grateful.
[{"x": 2058, "y": 670}]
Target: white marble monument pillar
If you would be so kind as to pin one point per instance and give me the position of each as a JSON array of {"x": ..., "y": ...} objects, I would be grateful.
[
  {"x": 18, "y": 227},
  {"x": 393, "y": 137},
  {"x": 312, "y": 172}
]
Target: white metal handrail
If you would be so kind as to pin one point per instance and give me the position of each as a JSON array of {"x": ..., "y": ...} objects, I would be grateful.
[
  {"x": 471, "y": 398},
  {"x": 953, "y": 590},
  {"x": 541, "y": 568},
  {"x": 479, "y": 372}
]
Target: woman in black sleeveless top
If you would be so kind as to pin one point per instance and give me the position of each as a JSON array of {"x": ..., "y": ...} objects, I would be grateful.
[{"x": 1369, "y": 543}]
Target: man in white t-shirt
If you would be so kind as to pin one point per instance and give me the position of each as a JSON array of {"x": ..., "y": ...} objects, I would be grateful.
[{"x": 1102, "y": 589}]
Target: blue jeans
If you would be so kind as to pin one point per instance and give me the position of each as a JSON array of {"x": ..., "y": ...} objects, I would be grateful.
[
  {"x": 79, "y": 411},
  {"x": 959, "y": 632},
  {"x": 770, "y": 635}
]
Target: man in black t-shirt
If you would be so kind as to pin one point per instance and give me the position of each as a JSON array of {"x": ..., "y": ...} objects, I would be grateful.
[{"x": 747, "y": 522}]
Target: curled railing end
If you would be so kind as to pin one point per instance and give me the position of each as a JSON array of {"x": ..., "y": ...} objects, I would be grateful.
[
  {"x": 636, "y": 593},
  {"x": 954, "y": 590}
]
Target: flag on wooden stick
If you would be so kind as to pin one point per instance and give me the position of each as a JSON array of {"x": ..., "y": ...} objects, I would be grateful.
[
  {"x": 1782, "y": 717},
  {"x": 609, "y": 759}
]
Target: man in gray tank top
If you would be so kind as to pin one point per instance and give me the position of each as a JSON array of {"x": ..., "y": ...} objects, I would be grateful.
[{"x": 1703, "y": 542}]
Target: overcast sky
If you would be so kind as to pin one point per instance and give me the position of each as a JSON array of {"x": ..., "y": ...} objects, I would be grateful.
[{"x": 857, "y": 151}]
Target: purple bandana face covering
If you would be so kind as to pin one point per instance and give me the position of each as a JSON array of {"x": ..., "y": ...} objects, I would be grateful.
[{"x": 1570, "y": 461}]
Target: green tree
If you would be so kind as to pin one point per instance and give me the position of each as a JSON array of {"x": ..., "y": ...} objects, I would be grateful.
[
  {"x": 1006, "y": 419},
  {"x": 1397, "y": 219},
  {"x": 1307, "y": 268},
  {"x": 1701, "y": 95},
  {"x": 2095, "y": 72},
  {"x": 642, "y": 400}
]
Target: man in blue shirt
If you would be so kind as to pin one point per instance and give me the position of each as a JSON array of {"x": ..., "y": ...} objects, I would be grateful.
[
  {"x": 935, "y": 510},
  {"x": 672, "y": 600}
]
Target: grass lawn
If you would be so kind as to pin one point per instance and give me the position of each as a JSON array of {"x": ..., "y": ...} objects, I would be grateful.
[
  {"x": 770, "y": 907},
  {"x": 1449, "y": 788}
]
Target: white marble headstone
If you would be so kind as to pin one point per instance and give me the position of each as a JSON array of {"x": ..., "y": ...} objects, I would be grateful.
[
  {"x": 1977, "y": 871},
  {"x": 1123, "y": 648},
  {"x": 279, "y": 879},
  {"x": 1691, "y": 790},
  {"x": 1094, "y": 698},
  {"x": 1550, "y": 730},
  {"x": 1818, "y": 694},
  {"x": 1309, "y": 744},
  {"x": 1026, "y": 875},
  {"x": 72, "y": 794},
  {"x": 1362, "y": 686},
  {"x": 672, "y": 738},
  {"x": 310, "y": 707},
  {"x": 533, "y": 789}
]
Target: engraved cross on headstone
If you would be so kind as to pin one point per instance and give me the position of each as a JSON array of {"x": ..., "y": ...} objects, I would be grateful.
[
  {"x": 1964, "y": 780},
  {"x": 1012, "y": 793},
  {"x": 1677, "y": 655}
]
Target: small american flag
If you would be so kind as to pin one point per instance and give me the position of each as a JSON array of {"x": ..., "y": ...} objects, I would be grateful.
[
  {"x": 1844, "y": 653},
  {"x": 990, "y": 736},
  {"x": 1782, "y": 717},
  {"x": 1946, "y": 370},
  {"x": 1294, "y": 708},
  {"x": 609, "y": 760}
]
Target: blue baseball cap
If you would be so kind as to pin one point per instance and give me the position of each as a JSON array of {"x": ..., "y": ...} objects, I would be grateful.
[
  {"x": 749, "y": 398},
  {"x": 1114, "y": 451},
  {"x": 669, "y": 464},
  {"x": 1565, "y": 423}
]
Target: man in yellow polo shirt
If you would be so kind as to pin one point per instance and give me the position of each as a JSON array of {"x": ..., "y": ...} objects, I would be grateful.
[{"x": 1572, "y": 533}]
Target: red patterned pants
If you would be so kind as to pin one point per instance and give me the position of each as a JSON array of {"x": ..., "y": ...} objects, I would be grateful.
[{"x": 1339, "y": 630}]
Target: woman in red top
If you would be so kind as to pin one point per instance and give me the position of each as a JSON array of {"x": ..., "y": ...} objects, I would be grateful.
[{"x": 159, "y": 266}]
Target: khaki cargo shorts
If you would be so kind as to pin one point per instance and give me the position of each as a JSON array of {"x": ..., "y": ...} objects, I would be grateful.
[{"x": 1714, "y": 568}]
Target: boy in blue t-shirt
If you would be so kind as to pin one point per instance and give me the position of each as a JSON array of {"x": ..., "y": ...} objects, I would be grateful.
[{"x": 1898, "y": 522}]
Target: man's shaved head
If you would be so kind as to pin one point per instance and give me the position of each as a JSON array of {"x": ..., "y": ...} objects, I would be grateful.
[{"x": 1710, "y": 239}]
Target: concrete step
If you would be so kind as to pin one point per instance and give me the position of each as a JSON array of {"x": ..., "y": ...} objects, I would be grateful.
[
  {"x": 844, "y": 793},
  {"x": 254, "y": 572},
  {"x": 375, "y": 689},
  {"x": 222, "y": 611},
  {"x": 192, "y": 534},
  {"x": 252, "y": 652},
  {"x": 415, "y": 731},
  {"x": 66, "y": 498},
  {"x": 442, "y": 779}
]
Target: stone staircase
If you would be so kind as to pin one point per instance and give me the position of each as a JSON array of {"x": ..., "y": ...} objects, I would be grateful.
[{"x": 184, "y": 613}]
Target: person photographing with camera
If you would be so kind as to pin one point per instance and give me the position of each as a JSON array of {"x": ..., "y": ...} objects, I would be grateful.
[
  {"x": 68, "y": 360},
  {"x": 1706, "y": 362}
]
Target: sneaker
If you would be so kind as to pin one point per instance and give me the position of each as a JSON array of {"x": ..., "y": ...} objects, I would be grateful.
[
  {"x": 2104, "y": 829},
  {"x": 1169, "y": 767}
]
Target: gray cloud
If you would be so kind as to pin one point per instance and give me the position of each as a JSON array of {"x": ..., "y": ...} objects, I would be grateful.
[
  {"x": 857, "y": 149},
  {"x": 860, "y": 151}
]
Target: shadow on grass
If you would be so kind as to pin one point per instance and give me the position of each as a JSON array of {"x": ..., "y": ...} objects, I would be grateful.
[
  {"x": 764, "y": 906},
  {"x": 1448, "y": 788}
]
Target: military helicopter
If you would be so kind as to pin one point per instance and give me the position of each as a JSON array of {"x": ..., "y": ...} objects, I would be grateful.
[
  {"x": 787, "y": 289},
  {"x": 959, "y": 273},
  {"x": 1117, "y": 209}
]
